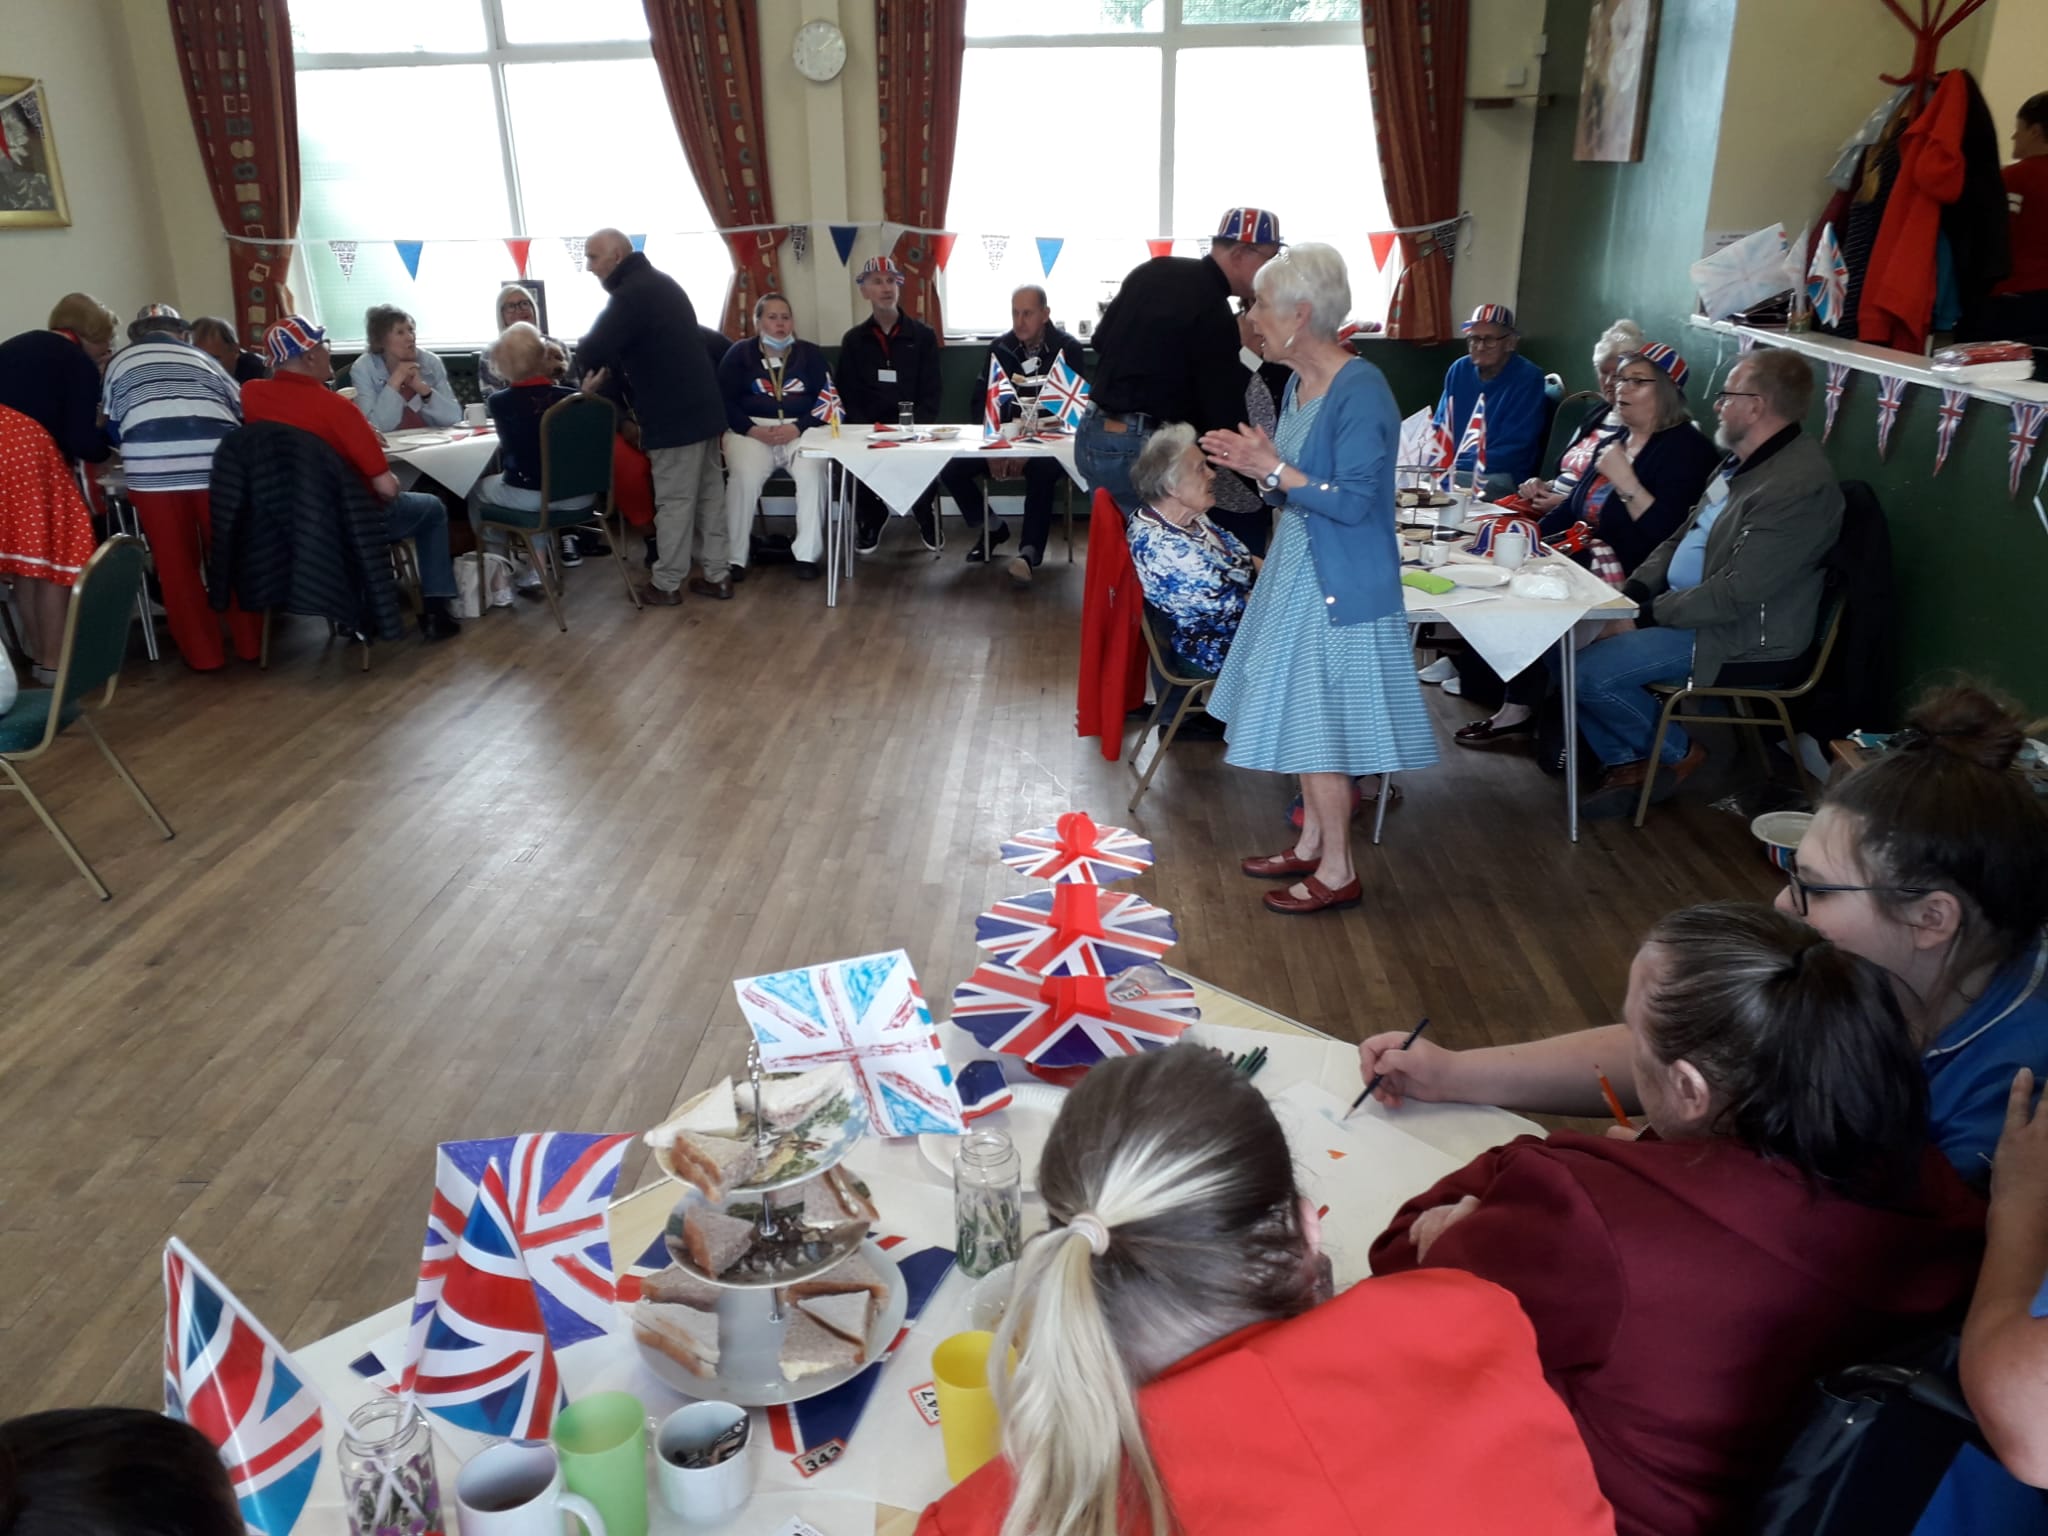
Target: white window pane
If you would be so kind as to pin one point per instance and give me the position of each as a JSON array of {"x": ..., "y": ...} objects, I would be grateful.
[
  {"x": 1003, "y": 184},
  {"x": 585, "y": 21},
  {"x": 567, "y": 190},
  {"x": 1336, "y": 199},
  {"x": 388, "y": 26},
  {"x": 1266, "y": 12},
  {"x": 1062, "y": 18}
]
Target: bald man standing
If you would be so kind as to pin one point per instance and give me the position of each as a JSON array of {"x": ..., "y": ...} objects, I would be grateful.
[{"x": 647, "y": 342}]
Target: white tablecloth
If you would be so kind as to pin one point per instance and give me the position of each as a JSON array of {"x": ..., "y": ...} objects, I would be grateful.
[
  {"x": 902, "y": 473},
  {"x": 1510, "y": 632},
  {"x": 455, "y": 456}
]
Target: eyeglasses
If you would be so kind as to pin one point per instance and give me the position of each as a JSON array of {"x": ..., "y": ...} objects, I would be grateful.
[
  {"x": 1477, "y": 340},
  {"x": 1634, "y": 378},
  {"x": 1735, "y": 394},
  {"x": 1804, "y": 890}
]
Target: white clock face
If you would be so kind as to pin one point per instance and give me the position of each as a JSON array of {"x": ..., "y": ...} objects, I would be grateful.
[{"x": 820, "y": 51}]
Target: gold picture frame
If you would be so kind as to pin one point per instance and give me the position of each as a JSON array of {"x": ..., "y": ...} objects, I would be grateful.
[{"x": 31, "y": 185}]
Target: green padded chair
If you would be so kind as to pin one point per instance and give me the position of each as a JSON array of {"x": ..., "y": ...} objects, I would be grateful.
[
  {"x": 95, "y": 643},
  {"x": 1564, "y": 420},
  {"x": 575, "y": 461}
]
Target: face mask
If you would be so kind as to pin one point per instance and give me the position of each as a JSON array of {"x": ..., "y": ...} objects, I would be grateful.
[{"x": 773, "y": 345}]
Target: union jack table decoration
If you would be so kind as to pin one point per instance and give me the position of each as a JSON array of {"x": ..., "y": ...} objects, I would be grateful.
[
  {"x": 2027, "y": 418},
  {"x": 228, "y": 1378},
  {"x": 1075, "y": 930},
  {"x": 1954, "y": 402},
  {"x": 1891, "y": 390},
  {"x": 1064, "y": 395},
  {"x": 999, "y": 395},
  {"x": 1444, "y": 456},
  {"x": 869, "y": 1013},
  {"x": 1838, "y": 382},
  {"x": 1474, "y": 440},
  {"x": 1077, "y": 851},
  {"x": 827, "y": 407},
  {"x": 1073, "y": 1021}
]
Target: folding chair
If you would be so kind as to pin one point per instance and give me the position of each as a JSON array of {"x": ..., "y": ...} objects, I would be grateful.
[
  {"x": 1195, "y": 691},
  {"x": 575, "y": 462},
  {"x": 95, "y": 642}
]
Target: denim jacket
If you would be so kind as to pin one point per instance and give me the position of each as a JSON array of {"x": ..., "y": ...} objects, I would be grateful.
[{"x": 386, "y": 407}]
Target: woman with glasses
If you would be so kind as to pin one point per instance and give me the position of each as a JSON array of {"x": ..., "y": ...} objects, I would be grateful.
[
  {"x": 1516, "y": 409},
  {"x": 516, "y": 305},
  {"x": 1615, "y": 343}
]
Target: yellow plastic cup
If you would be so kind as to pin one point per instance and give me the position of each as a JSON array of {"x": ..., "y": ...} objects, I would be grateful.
[{"x": 967, "y": 1410}]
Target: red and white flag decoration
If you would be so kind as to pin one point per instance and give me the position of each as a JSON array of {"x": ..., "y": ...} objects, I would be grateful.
[
  {"x": 519, "y": 249},
  {"x": 1954, "y": 402},
  {"x": 1891, "y": 389},
  {"x": 1382, "y": 247},
  {"x": 2027, "y": 419},
  {"x": 1838, "y": 382},
  {"x": 345, "y": 253}
]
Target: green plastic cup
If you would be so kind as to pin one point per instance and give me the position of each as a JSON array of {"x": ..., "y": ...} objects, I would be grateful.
[{"x": 602, "y": 1441}]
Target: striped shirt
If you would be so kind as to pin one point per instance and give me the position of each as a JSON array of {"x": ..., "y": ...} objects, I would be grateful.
[{"x": 168, "y": 406}]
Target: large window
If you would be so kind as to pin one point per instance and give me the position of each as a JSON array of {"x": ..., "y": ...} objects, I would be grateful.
[
  {"x": 1106, "y": 123},
  {"x": 462, "y": 123}
]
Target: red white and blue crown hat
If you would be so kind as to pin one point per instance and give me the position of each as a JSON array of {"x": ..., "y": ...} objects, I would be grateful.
[
  {"x": 882, "y": 265},
  {"x": 1657, "y": 355},
  {"x": 293, "y": 336},
  {"x": 1493, "y": 314},
  {"x": 1250, "y": 226}
]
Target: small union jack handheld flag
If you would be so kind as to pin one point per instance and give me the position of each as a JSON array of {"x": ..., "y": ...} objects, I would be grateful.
[
  {"x": 1079, "y": 852},
  {"x": 827, "y": 407},
  {"x": 1075, "y": 930},
  {"x": 999, "y": 395},
  {"x": 1064, "y": 395},
  {"x": 1073, "y": 1021},
  {"x": 1473, "y": 443},
  {"x": 1827, "y": 280}
]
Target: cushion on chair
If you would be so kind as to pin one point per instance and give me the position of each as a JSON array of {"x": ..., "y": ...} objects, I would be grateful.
[
  {"x": 573, "y": 513},
  {"x": 22, "y": 727}
]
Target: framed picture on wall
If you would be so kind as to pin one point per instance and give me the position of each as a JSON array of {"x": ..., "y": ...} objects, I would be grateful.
[
  {"x": 1614, "y": 97},
  {"x": 31, "y": 187}
]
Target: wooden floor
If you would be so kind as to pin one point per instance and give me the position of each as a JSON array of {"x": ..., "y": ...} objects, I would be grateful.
[{"x": 505, "y": 883}]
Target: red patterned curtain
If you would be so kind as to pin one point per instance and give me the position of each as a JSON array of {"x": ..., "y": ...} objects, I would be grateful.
[
  {"x": 1415, "y": 64},
  {"x": 919, "y": 48},
  {"x": 236, "y": 59},
  {"x": 709, "y": 54}
]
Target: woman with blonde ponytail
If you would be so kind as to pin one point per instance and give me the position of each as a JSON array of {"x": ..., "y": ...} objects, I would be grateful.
[{"x": 1181, "y": 1367}]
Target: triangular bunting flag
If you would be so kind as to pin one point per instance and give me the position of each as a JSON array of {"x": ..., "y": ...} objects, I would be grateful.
[
  {"x": 942, "y": 249},
  {"x": 409, "y": 253},
  {"x": 1954, "y": 402},
  {"x": 800, "y": 242},
  {"x": 1160, "y": 247},
  {"x": 997, "y": 246},
  {"x": 891, "y": 233},
  {"x": 2027, "y": 418},
  {"x": 1890, "y": 391},
  {"x": 1745, "y": 345},
  {"x": 1446, "y": 236},
  {"x": 638, "y": 242},
  {"x": 345, "y": 253},
  {"x": 1204, "y": 243},
  {"x": 1049, "y": 251},
  {"x": 1382, "y": 247},
  {"x": 573, "y": 245},
  {"x": 842, "y": 240},
  {"x": 519, "y": 249},
  {"x": 1838, "y": 382}
]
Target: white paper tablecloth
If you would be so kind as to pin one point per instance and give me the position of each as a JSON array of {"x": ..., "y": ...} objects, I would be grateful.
[
  {"x": 1510, "y": 632},
  {"x": 901, "y": 474},
  {"x": 455, "y": 456}
]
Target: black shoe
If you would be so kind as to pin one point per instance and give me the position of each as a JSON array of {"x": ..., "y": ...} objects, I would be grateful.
[
  {"x": 1000, "y": 537},
  {"x": 807, "y": 570},
  {"x": 594, "y": 543},
  {"x": 650, "y": 557},
  {"x": 929, "y": 530},
  {"x": 438, "y": 624},
  {"x": 572, "y": 549},
  {"x": 736, "y": 573},
  {"x": 867, "y": 540}
]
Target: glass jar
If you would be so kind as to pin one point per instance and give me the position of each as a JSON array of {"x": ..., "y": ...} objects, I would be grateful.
[
  {"x": 387, "y": 1471},
  {"x": 988, "y": 1203},
  {"x": 906, "y": 418}
]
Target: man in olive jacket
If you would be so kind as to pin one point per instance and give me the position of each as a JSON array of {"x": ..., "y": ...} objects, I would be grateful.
[{"x": 1732, "y": 597}]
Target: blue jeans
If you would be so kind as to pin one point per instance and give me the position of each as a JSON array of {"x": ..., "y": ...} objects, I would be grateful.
[
  {"x": 1617, "y": 713},
  {"x": 420, "y": 517},
  {"x": 1106, "y": 459}
]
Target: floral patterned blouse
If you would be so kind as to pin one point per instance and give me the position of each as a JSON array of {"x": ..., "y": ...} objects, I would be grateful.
[{"x": 1199, "y": 577}]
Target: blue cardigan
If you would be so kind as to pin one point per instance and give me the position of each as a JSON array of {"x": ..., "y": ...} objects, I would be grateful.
[{"x": 1349, "y": 459}]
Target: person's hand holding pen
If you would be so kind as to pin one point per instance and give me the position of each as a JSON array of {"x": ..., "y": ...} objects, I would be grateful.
[{"x": 1408, "y": 1069}]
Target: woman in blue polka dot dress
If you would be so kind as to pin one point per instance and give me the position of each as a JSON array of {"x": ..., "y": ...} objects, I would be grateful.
[{"x": 1320, "y": 680}]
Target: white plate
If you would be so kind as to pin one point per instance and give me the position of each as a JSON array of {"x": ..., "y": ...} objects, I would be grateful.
[
  {"x": 750, "y": 1347},
  {"x": 1027, "y": 1122},
  {"x": 1474, "y": 575},
  {"x": 989, "y": 1298}
]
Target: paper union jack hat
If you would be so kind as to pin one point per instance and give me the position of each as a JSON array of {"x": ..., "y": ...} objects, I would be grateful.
[
  {"x": 291, "y": 337},
  {"x": 1657, "y": 355},
  {"x": 1493, "y": 314},
  {"x": 1250, "y": 226},
  {"x": 1491, "y": 528},
  {"x": 880, "y": 266}
]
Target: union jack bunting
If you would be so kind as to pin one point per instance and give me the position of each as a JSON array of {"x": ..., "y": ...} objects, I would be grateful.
[
  {"x": 1890, "y": 391},
  {"x": 998, "y": 395},
  {"x": 1473, "y": 443},
  {"x": 2026, "y": 432},
  {"x": 1077, "y": 851},
  {"x": 226, "y": 1376},
  {"x": 1064, "y": 395},
  {"x": 486, "y": 1364},
  {"x": 1072, "y": 1021},
  {"x": 870, "y": 1014},
  {"x": 558, "y": 1185},
  {"x": 1954, "y": 402},
  {"x": 1827, "y": 280},
  {"x": 827, "y": 407},
  {"x": 1838, "y": 381},
  {"x": 1075, "y": 930}
]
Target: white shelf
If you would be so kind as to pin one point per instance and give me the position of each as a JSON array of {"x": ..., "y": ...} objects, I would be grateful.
[{"x": 1868, "y": 359}]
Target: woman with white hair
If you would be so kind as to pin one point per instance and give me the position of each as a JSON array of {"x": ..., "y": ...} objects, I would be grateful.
[
  {"x": 1196, "y": 574},
  {"x": 1616, "y": 342},
  {"x": 1181, "y": 1367},
  {"x": 1320, "y": 681}
]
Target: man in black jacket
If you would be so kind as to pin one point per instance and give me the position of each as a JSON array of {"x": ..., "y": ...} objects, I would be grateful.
[
  {"x": 886, "y": 362},
  {"x": 1167, "y": 350},
  {"x": 1026, "y": 354},
  {"x": 648, "y": 336}
]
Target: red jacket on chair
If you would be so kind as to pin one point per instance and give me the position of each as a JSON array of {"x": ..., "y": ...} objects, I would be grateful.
[
  {"x": 1898, "y": 291},
  {"x": 1112, "y": 647}
]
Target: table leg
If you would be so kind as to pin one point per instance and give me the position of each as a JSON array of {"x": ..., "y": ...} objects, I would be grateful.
[
  {"x": 832, "y": 534},
  {"x": 1067, "y": 502},
  {"x": 1570, "y": 688}
]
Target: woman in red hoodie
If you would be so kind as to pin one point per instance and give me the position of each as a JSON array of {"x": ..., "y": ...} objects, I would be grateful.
[
  {"x": 1782, "y": 1214},
  {"x": 1181, "y": 1368}
]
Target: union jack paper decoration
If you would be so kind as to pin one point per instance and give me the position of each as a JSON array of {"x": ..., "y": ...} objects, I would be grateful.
[
  {"x": 1827, "y": 280},
  {"x": 1473, "y": 443},
  {"x": 1072, "y": 1021},
  {"x": 486, "y": 1364},
  {"x": 827, "y": 407},
  {"x": 983, "y": 1088},
  {"x": 1954, "y": 402},
  {"x": 1064, "y": 394},
  {"x": 870, "y": 1014},
  {"x": 1838, "y": 381},
  {"x": 2026, "y": 432},
  {"x": 1075, "y": 930},
  {"x": 1890, "y": 391},
  {"x": 998, "y": 395},
  {"x": 1079, "y": 852},
  {"x": 228, "y": 1378}
]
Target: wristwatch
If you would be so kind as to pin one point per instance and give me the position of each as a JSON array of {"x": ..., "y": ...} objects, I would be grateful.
[{"x": 1272, "y": 482}]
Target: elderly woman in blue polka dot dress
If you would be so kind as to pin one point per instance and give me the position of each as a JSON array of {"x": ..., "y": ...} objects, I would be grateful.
[{"x": 1320, "y": 680}]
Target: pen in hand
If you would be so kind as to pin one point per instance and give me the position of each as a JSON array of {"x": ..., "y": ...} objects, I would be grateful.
[{"x": 1379, "y": 1077}]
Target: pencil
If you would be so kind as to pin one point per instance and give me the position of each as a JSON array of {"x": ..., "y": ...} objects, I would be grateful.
[
  {"x": 1614, "y": 1102},
  {"x": 1377, "y": 1077}
]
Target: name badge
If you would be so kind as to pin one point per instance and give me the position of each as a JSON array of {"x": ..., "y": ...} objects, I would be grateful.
[
  {"x": 1717, "y": 491},
  {"x": 1031, "y": 365},
  {"x": 886, "y": 376}
]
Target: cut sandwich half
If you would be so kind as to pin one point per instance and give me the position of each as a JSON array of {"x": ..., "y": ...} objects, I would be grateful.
[
  {"x": 686, "y": 1335},
  {"x": 715, "y": 1164},
  {"x": 856, "y": 1274},
  {"x": 678, "y": 1287},
  {"x": 850, "y": 1314},
  {"x": 789, "y": 1101},
  {"x": 711, "y": 1113},
  {"x": 809, "y": 1347},
  {"x": 712, "y": 1240}
]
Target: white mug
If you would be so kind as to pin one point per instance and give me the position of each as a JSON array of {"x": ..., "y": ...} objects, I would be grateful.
[
  {"x": 1510, "y": 549},
  {"x": 1433, "y": 553},
  {"x": 701, "y": 1493},
  {"x": 476, "y": 415},
  {"x": 516, "y": 1490}
]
